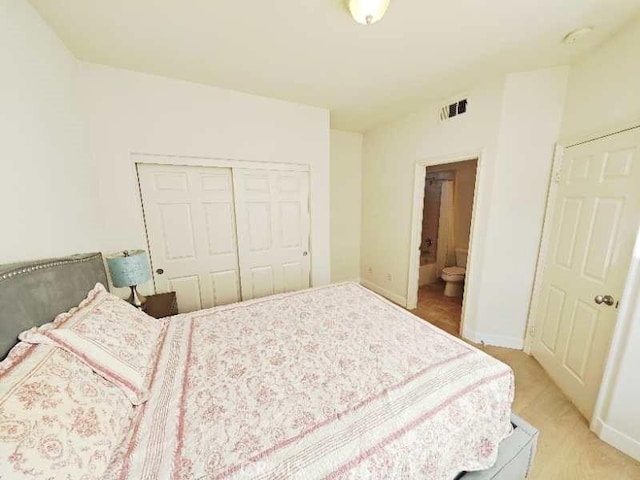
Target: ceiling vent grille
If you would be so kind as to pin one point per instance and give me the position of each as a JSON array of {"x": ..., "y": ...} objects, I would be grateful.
[{"x": 454, "y": 109}]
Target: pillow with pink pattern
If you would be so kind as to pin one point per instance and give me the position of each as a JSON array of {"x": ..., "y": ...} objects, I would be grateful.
[
  {"x": 114, "y": 338},
  {"x": 58, "y": 419}
]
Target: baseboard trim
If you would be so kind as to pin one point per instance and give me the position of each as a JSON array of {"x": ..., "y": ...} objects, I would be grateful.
[
  {"x": 346, "y": 280},
  {"x": 616, "y": 438},
  {"x": 394, "y": 297},
  {"x": 494, "y": 340}
]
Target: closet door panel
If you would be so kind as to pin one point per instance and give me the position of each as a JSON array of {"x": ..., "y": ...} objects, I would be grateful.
[
  {"x": 259, "y": 226},
  {"x": 293, "y": 277},
  {"x": 191, "y": 228},
  {"x": 226, "y": 287},
  {"x": 220, "y": 225},
  {"x": 272, "y": 211},
  {"x": 187, "y": 292},
  {"x": 262, "y": 282}
]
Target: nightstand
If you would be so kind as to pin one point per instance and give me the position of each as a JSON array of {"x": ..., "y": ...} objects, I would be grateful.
[{"x": 161, "y": 305}]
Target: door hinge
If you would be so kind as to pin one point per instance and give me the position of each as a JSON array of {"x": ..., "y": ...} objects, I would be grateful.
[{"x": 557, "y": 176}]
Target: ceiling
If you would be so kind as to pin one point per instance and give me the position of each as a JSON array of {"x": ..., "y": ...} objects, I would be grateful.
[{"x": 312, "y": 52}]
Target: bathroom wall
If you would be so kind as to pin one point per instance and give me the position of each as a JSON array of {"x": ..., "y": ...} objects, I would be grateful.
[
  {"x": 465, "y": 187},
  {"x": 430, "y": 221},
  {"x": 465, "y": 182},
  {"x": 465, "y": 178}
]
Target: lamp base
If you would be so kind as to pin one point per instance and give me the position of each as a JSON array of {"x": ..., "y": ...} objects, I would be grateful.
[{"x": 136, "y": 299}]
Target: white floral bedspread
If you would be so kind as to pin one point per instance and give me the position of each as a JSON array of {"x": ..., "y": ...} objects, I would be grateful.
[{"x": 332, "y": 382}]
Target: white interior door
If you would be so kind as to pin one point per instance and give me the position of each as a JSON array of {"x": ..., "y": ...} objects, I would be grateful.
[
  {"x": 594, "y": 222},
  {"x": 190, "y": 220},
  {"x": 272, "y": 210}
]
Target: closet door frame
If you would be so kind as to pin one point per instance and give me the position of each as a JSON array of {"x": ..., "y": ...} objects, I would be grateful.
[{"x": 189, "y": 161}]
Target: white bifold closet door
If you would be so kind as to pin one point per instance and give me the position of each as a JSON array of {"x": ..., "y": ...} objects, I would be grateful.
[
  {"x": 272, "y": 211},
  {"x": 221, "y": 235},
  {"x": 190, "y": 220}
]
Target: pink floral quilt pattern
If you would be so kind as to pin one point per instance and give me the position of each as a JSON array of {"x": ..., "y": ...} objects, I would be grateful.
[
  {"x": 331, "y": 382},
  {"x": 58, "y": 419}
]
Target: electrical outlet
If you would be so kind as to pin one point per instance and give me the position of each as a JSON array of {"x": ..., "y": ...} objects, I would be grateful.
[{"x": 388, "y": 277}]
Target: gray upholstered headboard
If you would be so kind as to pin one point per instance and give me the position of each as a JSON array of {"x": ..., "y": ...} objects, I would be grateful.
[{"x": 33, "y": 293}]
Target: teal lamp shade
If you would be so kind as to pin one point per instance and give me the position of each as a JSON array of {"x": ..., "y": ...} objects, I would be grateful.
[{"x": 129, "y": 268}]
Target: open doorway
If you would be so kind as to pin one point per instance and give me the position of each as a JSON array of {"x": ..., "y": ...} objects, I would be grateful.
[{"x": 447, "y": 211}]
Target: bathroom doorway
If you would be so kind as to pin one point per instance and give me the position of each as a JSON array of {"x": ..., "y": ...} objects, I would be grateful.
[{"x": 445, "y": 231}]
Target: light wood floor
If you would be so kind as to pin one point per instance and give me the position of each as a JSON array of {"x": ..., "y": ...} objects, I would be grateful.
[{"x": 567, "y": 449}]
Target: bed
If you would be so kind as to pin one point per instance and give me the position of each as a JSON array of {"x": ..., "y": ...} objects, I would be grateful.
[{"x": 331, "y": 382}]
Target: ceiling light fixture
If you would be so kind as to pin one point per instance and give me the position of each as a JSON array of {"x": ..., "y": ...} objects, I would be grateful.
[{"x": 368, "y": 11}]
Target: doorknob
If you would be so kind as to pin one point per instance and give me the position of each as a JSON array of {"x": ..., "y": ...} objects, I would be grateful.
[
  {"x": 606, "y": 299},
  {"x": 159, "y": 271},
  {"x": 304, "y": 254}
]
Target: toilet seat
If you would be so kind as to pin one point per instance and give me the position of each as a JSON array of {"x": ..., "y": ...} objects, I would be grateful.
[
  {"x": 454, "y": 281},
  {"x": 454, "y": 271},
  {"x": 453, "y": 276}
]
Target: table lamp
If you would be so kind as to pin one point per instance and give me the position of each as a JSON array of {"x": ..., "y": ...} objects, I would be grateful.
[{"x": 128, "y": 269}]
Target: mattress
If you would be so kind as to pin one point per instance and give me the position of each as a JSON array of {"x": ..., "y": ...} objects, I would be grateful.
[{"x": 332, "y": 382}]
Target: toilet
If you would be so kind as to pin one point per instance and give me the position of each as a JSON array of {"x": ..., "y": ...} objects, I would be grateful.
[{"x": 454, "y": 276}]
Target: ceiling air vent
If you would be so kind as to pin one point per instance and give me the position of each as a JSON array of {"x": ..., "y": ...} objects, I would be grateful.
[{"x": 454, "y": 109}]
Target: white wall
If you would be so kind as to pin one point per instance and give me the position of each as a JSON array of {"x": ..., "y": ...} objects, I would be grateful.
[
  {"x": 603, "y": 91},
  {"x": 529, "y": 128},
  {"x": 603, "y": 95},
  {"x": 389, "y": 155},
  {"x": 47, "y": 180},
  {"x": 346, "y": 204},
  {"x": 137, "y": 113},
  {"x": 68, "y": 131},
  {"x": 512, "y": 185}
]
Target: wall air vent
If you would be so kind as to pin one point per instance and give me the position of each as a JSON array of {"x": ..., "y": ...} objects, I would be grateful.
[{"x": 454, "y": 109}]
